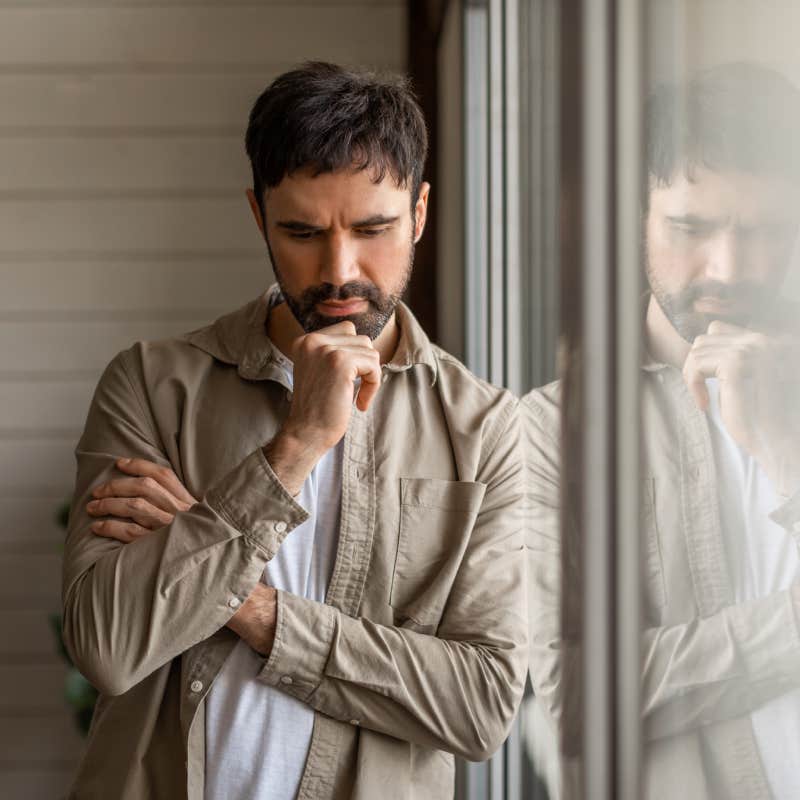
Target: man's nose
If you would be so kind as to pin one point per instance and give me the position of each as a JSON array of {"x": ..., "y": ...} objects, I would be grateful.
[
  {"x": 339, "y": 261},
  {"x": 726, "y": 260}
]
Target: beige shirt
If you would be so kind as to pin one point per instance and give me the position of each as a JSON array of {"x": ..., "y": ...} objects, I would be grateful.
[
  {"x": 707, "y": 661},
  {"x": 419, "y": 651}
]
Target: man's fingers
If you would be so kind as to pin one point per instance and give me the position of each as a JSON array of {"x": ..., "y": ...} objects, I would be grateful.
[
  {"x": 345, "y": 327},
  {"x": 695, "y": 372},
  {"x": 162, "y": 475},
  {"x": 147, "y": 488},
  {"x": 366, "y": 392},
  {"x": 135, "y": 508},
  {"x": 369, "y": 370},
  {"x": 718, "y": 327},
  {"x": 121, "y": 531}
]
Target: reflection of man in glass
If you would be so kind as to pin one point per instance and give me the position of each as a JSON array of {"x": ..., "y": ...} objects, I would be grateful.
[{"x": 721, "y": 454}]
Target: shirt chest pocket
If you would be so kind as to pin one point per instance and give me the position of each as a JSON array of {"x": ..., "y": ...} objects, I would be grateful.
[{"x": 436, "y": 522}]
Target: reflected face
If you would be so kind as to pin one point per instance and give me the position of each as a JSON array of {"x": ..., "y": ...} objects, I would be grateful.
[
  {"x": 719, "y": 246},
  {"x": 342, "y": 246}
]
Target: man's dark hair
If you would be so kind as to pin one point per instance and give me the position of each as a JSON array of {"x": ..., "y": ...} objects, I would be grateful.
[
  {"x": 328, "y": 118},
  {"x": 740, "y": 116}
]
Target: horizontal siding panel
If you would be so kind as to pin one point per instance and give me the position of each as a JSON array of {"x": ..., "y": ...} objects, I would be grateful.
[
  {"x": 236, "y": 4},
  {"x": 37, "y": 688},
  {"x": 31, "y": 580},
  {"x": 33, "y": 405},
  {"x": 42, "y": 783},
  {"x": 129, "y": 286},
  {"x": 39, "y": 740},
  {"x": 32, "y": 521},
  {"x": 201, "y": 36},
  {"x": 78, "y": 346},
  {"x": 128, "y": 225},
  {"x": 73, "y": 164},
  {"x": 141, "y": 102},
  {"x": 26, "y": 634}
]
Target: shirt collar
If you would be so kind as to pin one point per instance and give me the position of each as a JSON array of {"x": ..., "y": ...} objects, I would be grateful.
[{"x": 240, "y": 338}]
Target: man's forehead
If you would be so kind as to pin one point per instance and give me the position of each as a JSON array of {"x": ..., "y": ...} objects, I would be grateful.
[
  {"x": 355, "y": 192},
  {"x": 711, "y": 194}
]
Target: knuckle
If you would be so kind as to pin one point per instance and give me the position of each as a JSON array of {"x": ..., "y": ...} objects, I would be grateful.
[
  {"x": 149, "y": 484},
  {"x": 338, "y": 358}
]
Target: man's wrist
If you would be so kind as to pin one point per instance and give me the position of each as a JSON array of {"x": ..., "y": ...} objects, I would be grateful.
[
  {"x": 291, "y": 459},
  {"x": 255, "y": 621}
]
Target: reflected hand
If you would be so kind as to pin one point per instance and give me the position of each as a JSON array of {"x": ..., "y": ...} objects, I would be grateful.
[
  {"x": 143, "y": 502},
  {"x": 759, "y": 387}
]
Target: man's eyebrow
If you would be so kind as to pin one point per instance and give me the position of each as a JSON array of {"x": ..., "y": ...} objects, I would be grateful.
[
  {"x": 693, "y": 219},
  {"x": 296, "y": 225},
  {"x": 376, "y": 219}
]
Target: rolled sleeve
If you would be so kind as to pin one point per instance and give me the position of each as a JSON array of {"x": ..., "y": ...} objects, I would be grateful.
[
  {"x": 304, "y": 632},
  {"x": 252, "y": 499}
]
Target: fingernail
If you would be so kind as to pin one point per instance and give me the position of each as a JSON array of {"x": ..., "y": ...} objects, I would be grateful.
[
  {"x": 92, "y": 505},
  {"x": 123, "y": 461},
  {"x": 95, "y": 526}
]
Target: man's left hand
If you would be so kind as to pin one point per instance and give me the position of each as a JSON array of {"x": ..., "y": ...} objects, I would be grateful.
[{"x": 148, "y": 500}]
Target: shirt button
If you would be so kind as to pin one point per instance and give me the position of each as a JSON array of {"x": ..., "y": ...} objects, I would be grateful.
[
  {"x": 280, "y": 527},
  {"x": 354, "y": 722},
  {"x": 197, "y": 686},
  {"x": 287, "y": 680},
  {"x": 234, "y": 602},
  {"x": 288, "y": 397}
]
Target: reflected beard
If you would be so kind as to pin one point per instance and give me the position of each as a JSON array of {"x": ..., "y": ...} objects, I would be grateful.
[{"x": 751, "y": 300}]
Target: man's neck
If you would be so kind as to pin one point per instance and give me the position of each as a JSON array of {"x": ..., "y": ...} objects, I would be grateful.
[
  {"x": 664, "y": 343},
  {"x": 283, "y": 329}
]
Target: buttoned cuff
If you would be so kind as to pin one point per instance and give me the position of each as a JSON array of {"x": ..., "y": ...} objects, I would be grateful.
[
  {"x": 304, "y": 632},
  {"x": 787, "y": 515},
  {"x": 767, "y": 637},
  {"x": 252, "y": 499}
]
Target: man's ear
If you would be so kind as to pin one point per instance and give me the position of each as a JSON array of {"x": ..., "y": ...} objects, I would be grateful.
[
  {"x": 254, "y": 207},
  {"x": 421, "y": 210}
]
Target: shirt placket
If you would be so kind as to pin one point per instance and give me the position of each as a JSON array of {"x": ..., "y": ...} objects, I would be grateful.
[{"x": 356, "y": 530}]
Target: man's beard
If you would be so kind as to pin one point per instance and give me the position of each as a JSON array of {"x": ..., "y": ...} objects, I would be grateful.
[
  {"x": 380, "y": 305},
  {"x": 748, "y": 301}
]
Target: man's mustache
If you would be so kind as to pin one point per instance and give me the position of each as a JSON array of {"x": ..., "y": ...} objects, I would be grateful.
[
  {"x": 745, "y": 294},
  {"x": 363, "y": 290}
]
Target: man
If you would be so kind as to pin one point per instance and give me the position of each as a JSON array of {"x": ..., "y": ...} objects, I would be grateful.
[
  {"x": 721, "y": 463},
  {"x": 343, "y": 609}
]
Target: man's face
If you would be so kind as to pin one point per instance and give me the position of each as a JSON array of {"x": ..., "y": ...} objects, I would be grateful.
[
  {"x": 342, "y": 246},
  {"x": 719, "y": 246}
]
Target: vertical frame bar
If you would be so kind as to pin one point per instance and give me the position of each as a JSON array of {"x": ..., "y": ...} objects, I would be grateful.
[
  {"x": 629, "y": 158},
  {"x": 602, "y": 390},
  {"x": 497, "y": 195},
  {"x": 476, "y": 184},
  {"x": 597, "y": 403}
]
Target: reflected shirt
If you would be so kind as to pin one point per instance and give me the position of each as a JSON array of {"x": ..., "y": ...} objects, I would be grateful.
[{"x": 763, "y": 559}]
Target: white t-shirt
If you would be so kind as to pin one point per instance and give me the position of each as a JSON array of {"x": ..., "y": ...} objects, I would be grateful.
[
  {"x": 257, "y": 737},
  {"x": 763, "y": 559}
]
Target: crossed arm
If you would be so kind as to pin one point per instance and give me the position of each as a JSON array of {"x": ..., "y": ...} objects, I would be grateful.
[{"x": 135, "y": 600}]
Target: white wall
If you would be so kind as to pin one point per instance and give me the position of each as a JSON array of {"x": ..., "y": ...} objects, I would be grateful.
[{"x": 122, "y": 216}]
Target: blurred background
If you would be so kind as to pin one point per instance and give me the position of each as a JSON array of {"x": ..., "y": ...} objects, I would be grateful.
[{"x": 123, "y": 217}]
